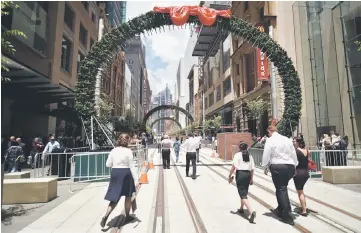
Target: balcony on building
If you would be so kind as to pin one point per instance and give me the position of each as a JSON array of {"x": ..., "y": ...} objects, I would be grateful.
[{"x": 209, "y": 38}]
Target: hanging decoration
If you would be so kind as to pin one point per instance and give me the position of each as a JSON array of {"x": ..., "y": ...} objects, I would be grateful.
[{"x": 180, "y": 14}]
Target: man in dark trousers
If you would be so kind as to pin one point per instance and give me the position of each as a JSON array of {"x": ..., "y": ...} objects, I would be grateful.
[
  {"x": 166, "y": 144},
  {"x": 280, "y": 157},
  {"x": 190, "y": 145}
]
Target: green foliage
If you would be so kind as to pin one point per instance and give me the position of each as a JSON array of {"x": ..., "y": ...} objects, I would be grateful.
[
  {"x": 101, "y": 55},
  {"x": 6, "y": 7},
  {"x": 358, "y": 43},
  {"x": 256, "y": 108},
  {"x": 104, "y": 108}
]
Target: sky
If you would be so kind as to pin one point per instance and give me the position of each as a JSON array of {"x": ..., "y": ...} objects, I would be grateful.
[{"x": 163, "y": 50}]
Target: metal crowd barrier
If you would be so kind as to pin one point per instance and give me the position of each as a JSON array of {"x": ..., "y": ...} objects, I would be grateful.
[
  {"x": 322, "y": 158},
  {"x": 82, "y": 166}
]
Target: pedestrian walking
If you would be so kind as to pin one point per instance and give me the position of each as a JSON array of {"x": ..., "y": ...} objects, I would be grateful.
[
  {"x": 120, "y": 160},
  {"x": 302, "y": 175},
  {"x": 280, "y": 157},
  {"x": 176, "y": 146},
  {"x": 191, "y": 145},
  {"x": 166, "y": 145},
  {"x": 199, "y": 139},
  {"x": 14, "y": 156},
  {"x": 243, "y": 164}
]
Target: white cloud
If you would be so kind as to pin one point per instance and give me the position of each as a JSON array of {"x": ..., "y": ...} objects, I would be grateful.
[{"x": 169, "y": 45}]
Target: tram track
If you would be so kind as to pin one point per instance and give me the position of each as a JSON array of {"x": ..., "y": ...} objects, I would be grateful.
[
  {"x": 159, "y": 220},
  {"x": 299, "y": 227}
]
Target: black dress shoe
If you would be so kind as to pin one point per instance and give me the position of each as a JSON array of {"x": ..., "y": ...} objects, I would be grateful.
[
  {"x": 288, "y": 221},
  {"x": 103, "y": 222},
  {"x": 277, "y": 212},
  {"x": 240, "y": 211}
]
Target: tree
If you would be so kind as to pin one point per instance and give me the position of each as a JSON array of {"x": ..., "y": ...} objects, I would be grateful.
[
  {"x": 104, "y": 109},
  {"x": 255, "y": 110},
  {"x": 6, "y": 7}
]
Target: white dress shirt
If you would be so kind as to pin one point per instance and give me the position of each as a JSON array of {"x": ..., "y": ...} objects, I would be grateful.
[
  {"x": 279, "y": 150},
  {"x": 239, "y": 164},
  {"x": 120, "y": 157},
  {"x": 191, "y": 144},
  {"x": 51, "y": 146},
  {"x": 166, "y": 143}
]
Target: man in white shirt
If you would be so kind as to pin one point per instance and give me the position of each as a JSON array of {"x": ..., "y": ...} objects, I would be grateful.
[
  {"x": 280, "y": 156},
  {"x": 166, "y": 144},
  {"x": 190, "y": 145}
]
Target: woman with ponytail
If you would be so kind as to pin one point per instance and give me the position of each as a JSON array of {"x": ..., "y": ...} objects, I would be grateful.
[{"x": 244, "y": 165}]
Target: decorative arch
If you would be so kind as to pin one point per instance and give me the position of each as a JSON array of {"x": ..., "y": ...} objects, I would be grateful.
[
  {"x": 165, "y": 107},
  {"x": 166, "y": 118},
  {"x": 103, "y": 51}
]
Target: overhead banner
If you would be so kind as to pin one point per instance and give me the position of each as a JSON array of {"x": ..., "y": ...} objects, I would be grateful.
[{"x": 262, "y": 62}]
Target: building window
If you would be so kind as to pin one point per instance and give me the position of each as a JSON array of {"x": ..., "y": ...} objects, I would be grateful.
[
  {"x": 86, "y": 5},
  {"x": 83, "y": 34},
  {"x": 206, "y": 103},
  {"x": 94, "y": 17},
  {"x": 227, "y": 86},
  {"x": 246, "y": 5},
  {"x": 80, "y": 58},
  {"x": 91, "y": 43},
  {"x": 226, "y": 53},
  {"x": 250, "y": 72},
  {"x": 69, "y": 16},
  {"x": 211, "y": 99},
  {"x": 218, "y": 93},
  {"x": 65, "y": 54}
]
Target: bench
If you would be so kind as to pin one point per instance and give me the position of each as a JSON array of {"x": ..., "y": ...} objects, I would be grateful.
[
  {"x": 32, "y": 190},
  {"x": 342, "y": 174},
  {"x": 17, "y": 175}
]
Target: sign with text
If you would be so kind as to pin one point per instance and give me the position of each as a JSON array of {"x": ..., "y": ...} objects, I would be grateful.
[{"x": 262, "y": 62}]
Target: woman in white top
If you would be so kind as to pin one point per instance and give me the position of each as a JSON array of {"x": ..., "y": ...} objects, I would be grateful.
[
  {"x": 244, "y": 165},
  {"x": 121, "y": 183}
]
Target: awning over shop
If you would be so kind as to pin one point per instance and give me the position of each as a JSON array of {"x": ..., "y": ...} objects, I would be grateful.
[
  {"x": 209, "y": 37},
  {"x": 27, "y": 85}
]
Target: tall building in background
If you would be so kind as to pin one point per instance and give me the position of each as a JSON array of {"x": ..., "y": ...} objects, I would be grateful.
[
  {"x": 45, "y": 65},
  {"x": 135, "y": 57},
  {"x": 147, "y": 93},
  {"x": 184, "y": 67},
  {"x": 116, "y": 12},
  {"x": 162, "y": 98},
  {"x": 112, "y": 80}
]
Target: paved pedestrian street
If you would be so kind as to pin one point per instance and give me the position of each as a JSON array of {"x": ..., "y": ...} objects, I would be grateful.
[{"x": 174, "y": 203}]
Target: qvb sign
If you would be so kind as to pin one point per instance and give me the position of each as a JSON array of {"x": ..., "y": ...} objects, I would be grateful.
[{"x": 262, "y": 62}]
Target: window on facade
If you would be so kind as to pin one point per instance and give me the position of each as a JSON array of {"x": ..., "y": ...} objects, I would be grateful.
[
  {"x": 237, "y": 69},
  {"x": 65, "y": 54},
  {"x": 250, "y": 72},
  {"x": 226, "y": 53},
  {"x": 218, "y": 93},
  {"x": 210, "y": 76},
  {"x": 206, "y": 103},
  {"x": 246, "y": 5},
  {"x": 227, "y": 86},
  {"x": 69, "y": 16},
  {"x": 91, "y": 43},
  {"x": 94, "y": 17},
  {"x": 83, "y": 34},
  {"x": 211, "y": 99},
  {"x": 80, "y": 58},
  {"x": 86, "y": 5}
]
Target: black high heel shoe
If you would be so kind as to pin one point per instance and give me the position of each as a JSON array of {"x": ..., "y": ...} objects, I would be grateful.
[{"x": 103, "y": 222}]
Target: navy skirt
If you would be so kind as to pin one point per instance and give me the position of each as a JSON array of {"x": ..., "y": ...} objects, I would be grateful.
[{"x": 121, "y": 184}]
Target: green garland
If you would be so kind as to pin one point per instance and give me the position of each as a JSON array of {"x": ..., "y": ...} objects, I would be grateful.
[
  {"x": 102, "y": 51},
  {"x": 165, "y": 107},
  {"x": 166, "y": 118}
]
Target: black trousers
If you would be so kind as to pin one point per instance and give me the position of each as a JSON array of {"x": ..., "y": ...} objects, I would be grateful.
[
  {"x": 191, "y": 156},
  {"x": 166, "y": 158},
  {"x": 281, "y": 174}
]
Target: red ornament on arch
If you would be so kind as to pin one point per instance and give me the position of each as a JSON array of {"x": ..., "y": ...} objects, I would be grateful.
[{"x": 180, "y": 14}]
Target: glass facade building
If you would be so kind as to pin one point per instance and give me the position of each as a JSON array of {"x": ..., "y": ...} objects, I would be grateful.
[{"x": 329, "y": 66}]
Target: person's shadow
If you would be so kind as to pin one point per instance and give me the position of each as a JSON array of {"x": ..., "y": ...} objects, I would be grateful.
[{"x": 120, "y": 221}]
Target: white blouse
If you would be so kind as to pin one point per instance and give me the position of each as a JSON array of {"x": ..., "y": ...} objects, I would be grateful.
[
  {"x": 120, "y": 157},
  {"x": 239, "y": 164}
]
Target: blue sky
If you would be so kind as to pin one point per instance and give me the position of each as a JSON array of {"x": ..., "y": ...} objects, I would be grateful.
[{"x": 163, "y": 50}]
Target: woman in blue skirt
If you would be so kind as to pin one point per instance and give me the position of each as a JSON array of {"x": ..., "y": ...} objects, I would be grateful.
[{"x": 121, "y": 183}]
